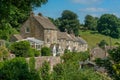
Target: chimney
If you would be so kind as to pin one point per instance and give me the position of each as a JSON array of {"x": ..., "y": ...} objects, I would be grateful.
[
  {"x": 31, "y": 14},
  {"x": 39, "y": 14}
]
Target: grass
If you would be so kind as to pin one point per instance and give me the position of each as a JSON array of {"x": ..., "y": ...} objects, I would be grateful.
[{"x": 93, "y": 38}]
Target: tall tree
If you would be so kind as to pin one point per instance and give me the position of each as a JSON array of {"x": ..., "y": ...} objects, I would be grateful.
[
  {"x": 109, "y": 24},
  {"x": 91, "y": 22},
  {"x": 69, "y": 22}
]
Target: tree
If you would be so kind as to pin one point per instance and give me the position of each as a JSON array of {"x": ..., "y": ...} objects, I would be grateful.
[
  {"x": 109, "y": 24},
  {"x": 112, "y": 63},
  {"x": 4, "y": 53},
  {"x": 45, "y": 51},
  {"x": 102, "y": 44},
  {"x": 69, "y": 22},
  {"x": 16, "y": 69},
  {"x": 90, "y": 22},
  {"x": 58, "y": 72},
  {"x": 70, "y": 70},
  {"x": 45, "y": 71},
  {"x": 56, "y": 22}
]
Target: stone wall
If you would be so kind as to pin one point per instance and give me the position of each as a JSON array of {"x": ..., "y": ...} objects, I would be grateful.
[
  {"x": 35, "y": 28},
  {"x": 52, "y": 60},
  {"x": 50, "y": 37}
]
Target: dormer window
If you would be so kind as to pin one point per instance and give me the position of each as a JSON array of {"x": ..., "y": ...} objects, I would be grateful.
[{"x": 27, "y": 29}]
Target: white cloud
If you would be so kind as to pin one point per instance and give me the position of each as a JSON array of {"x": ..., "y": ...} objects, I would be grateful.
[
  {"x": 86, "y": 1},
  {"x": 93, "y": 9}
]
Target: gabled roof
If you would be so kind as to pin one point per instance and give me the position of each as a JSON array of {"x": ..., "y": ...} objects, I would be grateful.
[
  {"x": 97, "y": 52},
  {"x": 64, "y": 35},
  {"x": 81, "y": 40},
  {"x": 18, "y": 36},
  {"x": 74, "y": 38},
  {"x": 45, "y": 22}
]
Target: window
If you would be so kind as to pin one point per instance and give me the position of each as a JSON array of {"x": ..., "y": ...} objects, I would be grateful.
[
  {"x": 38, "y": 47},
  {"x": 27, "y": 30}
]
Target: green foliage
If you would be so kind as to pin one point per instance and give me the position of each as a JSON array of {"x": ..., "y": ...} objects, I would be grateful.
[
  {"x": 34, "y": 52},
  {"x": 16, "y": 69},
  {"x": 56, "y": 22},
  {"x": 15, "y": 12},
  {"x": 69, "y": 69},
  {"x": 58, "y": 72},
  {"x": 4, "y": 53},
  {"x": 32, "y": 63},
  {"x": 90, "y": 22},
  {"x": 6, "y": 30},
  {"x": 112, "y": 63},
  {"x": 45, "y": 71},
  {"x": 21, "y": 49},
  {"x": 75, "y": 56},
  {"x": 109, "y": 24},
  {"x": 115, "y": 54},
  {"x": 102, "y": 44},
  {"x": 45, "y": 51},
  {"x": 69, "y": 22}
]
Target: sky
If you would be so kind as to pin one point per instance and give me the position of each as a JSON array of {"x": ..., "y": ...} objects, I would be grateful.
[{"x": 54, "y": 8}]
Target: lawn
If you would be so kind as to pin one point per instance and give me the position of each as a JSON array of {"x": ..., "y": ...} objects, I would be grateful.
[{"x": 93, "y": 38}]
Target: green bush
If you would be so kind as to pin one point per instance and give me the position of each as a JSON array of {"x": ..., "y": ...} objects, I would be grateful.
[
  {"x": 34, "y": 52},
  {"x": 17, "y": 69},
  {"x": 21, "y": 49},
  {"x": 102, "y": 44},
  {"x": 45, "y": 51}
]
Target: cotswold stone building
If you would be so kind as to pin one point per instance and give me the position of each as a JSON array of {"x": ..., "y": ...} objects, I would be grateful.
[{"x": 41, "y": 28}]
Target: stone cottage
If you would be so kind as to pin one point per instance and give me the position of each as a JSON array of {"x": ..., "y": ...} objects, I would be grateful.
[{"x": 41, "y": 28}]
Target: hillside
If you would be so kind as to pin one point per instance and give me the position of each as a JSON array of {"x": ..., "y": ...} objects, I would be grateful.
[{"x": 93, "y": 38}]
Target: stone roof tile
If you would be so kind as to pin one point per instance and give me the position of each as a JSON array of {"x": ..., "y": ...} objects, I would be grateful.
[{"x": 45, "y": 22}]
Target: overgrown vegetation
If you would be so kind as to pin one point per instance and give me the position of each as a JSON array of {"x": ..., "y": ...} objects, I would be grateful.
[
  {"x": 111, "y": 63},
  {"x": 23, "y": 49},
  {"x": 70, "y": 68},
  {"x": 17, "y": 69}
]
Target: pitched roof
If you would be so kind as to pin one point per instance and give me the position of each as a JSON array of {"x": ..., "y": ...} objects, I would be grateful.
[
  {"x": 74, "y": 38},
  {"x": 18, "y": 36},
  {"x": 45, "y": 22},
  {"x": 81, "y": 40},
  {"x": 97, "y": 52},
  {"x": 64, "y": 35}
]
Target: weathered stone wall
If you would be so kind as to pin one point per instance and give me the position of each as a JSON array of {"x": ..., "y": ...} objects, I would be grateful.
[
  {"x": 50, "y": 37},
  {"x": 35, "y": 28},
  {"x": 22, "y": 30},
  {"x": 52, "y": 60}
]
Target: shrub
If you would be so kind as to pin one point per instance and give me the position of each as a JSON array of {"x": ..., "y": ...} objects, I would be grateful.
[
  {"x": 21, "y": 49},
  {"x": 45, "y": 51}
]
